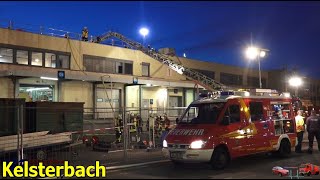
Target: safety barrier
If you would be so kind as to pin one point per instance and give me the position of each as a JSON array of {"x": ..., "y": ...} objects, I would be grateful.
[{"x": 77, "y": 135}]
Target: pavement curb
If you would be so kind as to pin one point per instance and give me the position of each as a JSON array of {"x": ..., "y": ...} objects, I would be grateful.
[
  {"x": 120, "y": 167},
  {"x": 134, "y": 165}
]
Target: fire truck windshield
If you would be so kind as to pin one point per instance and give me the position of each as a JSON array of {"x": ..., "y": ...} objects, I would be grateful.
[{"x": 206, "y": 113}]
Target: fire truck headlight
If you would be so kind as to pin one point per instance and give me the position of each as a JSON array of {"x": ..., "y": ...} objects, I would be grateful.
[
  {"x": 164, "y": 144},
  {"x": 197, "y": 144}
]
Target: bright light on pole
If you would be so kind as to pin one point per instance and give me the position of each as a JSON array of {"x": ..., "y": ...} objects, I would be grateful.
[
  {"x": 295, "y": 82},
  {"x": 144, "y": 32},
  {"x": 262, "y": 53},
  {"x": 253, "y": 53}
]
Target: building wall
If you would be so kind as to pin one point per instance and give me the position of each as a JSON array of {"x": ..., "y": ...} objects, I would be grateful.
[
  {"x": 158, "y": 94},
  {"x": 6, "y": 88},
  {"x": 218, "y": 68},
  {"x": 77, "y": 91},
  {"x": 78, "y": 48}
]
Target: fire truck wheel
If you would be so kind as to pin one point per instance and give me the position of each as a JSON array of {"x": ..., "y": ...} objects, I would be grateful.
[
  {"x": 280, "y": 174},
  {"x": 220, "y": 158},
  {"x": 317, "y": 173},
  {"x": 285, "y": 148},
  {"x": 309, "y": 173}
]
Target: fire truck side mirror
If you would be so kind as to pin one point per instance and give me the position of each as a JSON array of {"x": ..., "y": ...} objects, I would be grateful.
[{"x": 226, "y": 120}]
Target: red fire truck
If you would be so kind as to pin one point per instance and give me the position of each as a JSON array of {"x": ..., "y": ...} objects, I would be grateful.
[{"x": 230, "y": 125}]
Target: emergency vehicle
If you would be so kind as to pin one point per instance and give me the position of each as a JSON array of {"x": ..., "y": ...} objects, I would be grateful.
[
  {"x": 233, "y": 124},
  {"x": 308, "y": 169}
]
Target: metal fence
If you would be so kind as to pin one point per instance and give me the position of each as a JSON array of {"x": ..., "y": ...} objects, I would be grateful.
[{"x": 80, "y": 136}]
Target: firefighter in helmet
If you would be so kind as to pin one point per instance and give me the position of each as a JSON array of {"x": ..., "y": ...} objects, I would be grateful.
[{"x": 85, "y": 34}]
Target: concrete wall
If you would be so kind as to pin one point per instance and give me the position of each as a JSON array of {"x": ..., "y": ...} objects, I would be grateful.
[
  {"x": 6, "y": 88},
  {"x": 218, "y": 68},
  {"x": 78, "y": 48},
  {"x": 158, "y": 94},
  {"x": 77, "y": 91}
]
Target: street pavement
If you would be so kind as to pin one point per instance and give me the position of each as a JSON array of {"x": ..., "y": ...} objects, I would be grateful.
[{"x": 251, "y": 167}]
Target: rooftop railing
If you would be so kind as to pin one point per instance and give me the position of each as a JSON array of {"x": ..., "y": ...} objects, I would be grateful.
[{"x": 55, "y": 32}]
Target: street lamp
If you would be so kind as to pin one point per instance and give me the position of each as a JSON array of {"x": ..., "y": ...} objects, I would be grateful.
[
  {"x": 295, "y": 82},
  {"x": 253, "y": 53},
  {"x": 144, "y": 32}
]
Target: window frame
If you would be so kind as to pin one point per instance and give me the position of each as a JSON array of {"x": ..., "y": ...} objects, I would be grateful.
[
  {"x": 145, "y": 65},
  {"x": 12, "y": 60},
  {"x": 261, "y": 118},
  {"x": 30, "y": 50},
  {"x": 229, "y": 114}
]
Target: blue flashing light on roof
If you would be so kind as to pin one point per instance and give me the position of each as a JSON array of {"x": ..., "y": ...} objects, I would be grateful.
[{"x": 227, "y": 93}]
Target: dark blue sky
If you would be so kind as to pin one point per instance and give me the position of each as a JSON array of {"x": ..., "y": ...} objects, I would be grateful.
[{"x": 209, "y": 31}]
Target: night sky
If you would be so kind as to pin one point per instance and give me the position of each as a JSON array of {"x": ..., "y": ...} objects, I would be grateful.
[{"x": 208, "y": 31}]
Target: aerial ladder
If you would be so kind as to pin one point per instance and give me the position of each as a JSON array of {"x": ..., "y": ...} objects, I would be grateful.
[{"x": 206, "y": 82}]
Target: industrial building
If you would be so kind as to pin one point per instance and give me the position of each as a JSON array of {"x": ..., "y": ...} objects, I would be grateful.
[{"x": 29, "y": 65}]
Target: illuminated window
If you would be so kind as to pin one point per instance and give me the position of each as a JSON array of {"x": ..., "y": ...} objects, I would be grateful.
[
  {"x": 6, "y": 55},
  {"x": 50, "y": 60},
  {"x": 36, "y": 59},
  {"x": 22, "y": 57}
]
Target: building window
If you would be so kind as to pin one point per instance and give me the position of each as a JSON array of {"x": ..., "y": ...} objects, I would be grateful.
[
  {"x": 22, "y": 57},
  {"x": 256, "y": 111},
  {"x": 233, "y": 112},
  {"x": 36, "y": 59},
  {"x": 230, "y": 79},
  {"x": 209, "y": 74},
  {"x": 63, "y": 61},
  {"x": 107, "y": 65},
  {"x": 119, "y": 67},
  {"x": 128, "y": 67},
  {"x": 145, "y": 69},
  {"x": 254, "y": 82},
  {"x": 6, "y": 55},
  {"x": 50, "y": 60}
]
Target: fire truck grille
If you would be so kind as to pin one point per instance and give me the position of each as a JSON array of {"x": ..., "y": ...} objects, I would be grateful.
[{"x": 178, "y": 146}]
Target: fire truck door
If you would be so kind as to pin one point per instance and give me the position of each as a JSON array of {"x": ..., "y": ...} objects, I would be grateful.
[
  {"x": 235, "y": 134},
  {"x": 258, "y": 139}
]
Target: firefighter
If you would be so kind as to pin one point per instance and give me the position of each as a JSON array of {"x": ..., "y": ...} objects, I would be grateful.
[
  {"x": 85, "y": 34},
  {"x": 300, "y": 130},
  {"x": 313, "y": 128},
  {"x": 167, "y": 123}
]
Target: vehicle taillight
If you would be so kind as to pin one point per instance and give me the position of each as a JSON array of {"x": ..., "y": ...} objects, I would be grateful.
[
  {"x": 95, "y": 139},
  {"x": 85, "y": 139}
]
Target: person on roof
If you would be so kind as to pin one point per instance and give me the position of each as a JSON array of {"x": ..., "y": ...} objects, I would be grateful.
[
  {"x": 313, "y": 128},
  {"x": 85, "y": 33}
]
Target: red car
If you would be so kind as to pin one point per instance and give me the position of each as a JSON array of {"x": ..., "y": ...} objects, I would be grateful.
[{"x": 277, "y": 170}]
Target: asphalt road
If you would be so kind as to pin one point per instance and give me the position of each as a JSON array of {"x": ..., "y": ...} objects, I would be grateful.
[{"x": 252, "y": 167}]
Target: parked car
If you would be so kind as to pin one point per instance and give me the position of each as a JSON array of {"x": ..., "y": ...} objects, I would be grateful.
[
  {"x": 308, "y": 169},
  {"x": 277, "y": 170}
]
